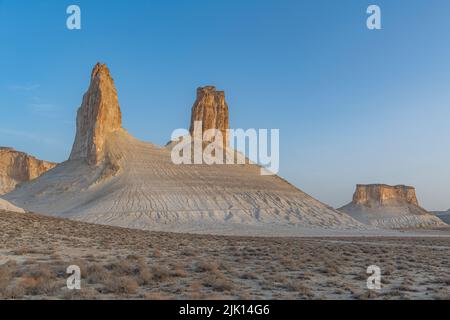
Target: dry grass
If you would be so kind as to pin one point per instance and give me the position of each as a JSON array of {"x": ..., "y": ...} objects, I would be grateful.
[{"x": 122, "y": 263}]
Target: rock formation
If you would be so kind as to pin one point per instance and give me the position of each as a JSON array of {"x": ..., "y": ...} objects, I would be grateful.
[
  {"x": 383, "y": 195},
  {"x": 18, "y": 167},
  {"x": 211, "y": 109},
  {"x": 151, "y": 192},
  {"x": 392, "y": 207},
  {"x": 98, "y": 116}
]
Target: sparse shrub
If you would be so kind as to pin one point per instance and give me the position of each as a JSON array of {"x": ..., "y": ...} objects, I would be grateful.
[
  {"x": 156, "y": 296},
  {"x": 155, "y": 253},
  {"x": 179, "y": 271},
  {"x": 37, "y": 285},
  {"x": 13, "y": 292},
  {"x": 206, "y": 266},
  {"x": 86, "y": 293},
  {"x": 144, "y": 276},
  {"x": 188, "y": 252},
  {"x": 96, "y": 273},
  {"x": 122, "y": 285},
  {"x": 6, "y": 274},
  {"x": 297, "y": 286},
  {"x": 218, "y": 283},
  {"x": 124, "y": 267},
  {"x": 248, "y": 276},
  {"x": 160, "y": 273}
]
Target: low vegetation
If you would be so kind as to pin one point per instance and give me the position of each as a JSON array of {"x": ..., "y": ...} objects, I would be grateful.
[{"x": 118, "y": 263}]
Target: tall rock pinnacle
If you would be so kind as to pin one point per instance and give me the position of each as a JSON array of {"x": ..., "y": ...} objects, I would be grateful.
[
  {"x": 98, "y": 116},
  {"x": 211, "y": 108}
]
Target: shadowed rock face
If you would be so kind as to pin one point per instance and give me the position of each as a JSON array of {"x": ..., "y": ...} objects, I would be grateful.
[
  {"x": 18, "y": 167},
  {"x": 211, "y": 108},
  {"x": 381, "y": 194},
  {"x": 98, "y": 116}
]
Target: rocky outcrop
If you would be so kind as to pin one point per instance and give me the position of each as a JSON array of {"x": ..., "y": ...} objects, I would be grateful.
[
  {"x": 98, "y": 116},
  {"x": 391, "y": 207},
  {"x": 211, "y": 109},
  {"x": 382, "y": 194},
  {"x": 18, "y": 167}
]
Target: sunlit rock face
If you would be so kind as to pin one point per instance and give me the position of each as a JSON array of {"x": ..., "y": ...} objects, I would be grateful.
[
  {"x": 98, "y": 116},
  {"x": 381, "y": 194},
  {"x": 18, "y": 167},
  {"x": 211, "y": 109}
]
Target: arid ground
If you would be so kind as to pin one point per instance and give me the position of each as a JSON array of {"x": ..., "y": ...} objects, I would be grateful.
[{"x": 120, "y": 263}]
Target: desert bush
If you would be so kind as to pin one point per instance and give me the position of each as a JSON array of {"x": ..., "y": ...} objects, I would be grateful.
[
  {"x": 143, "y": 276},
  {"x": 123, "y": 267},
  {"x": 96, "y": 273},
  {"x": 156, "y": 296},
  {"x": 37, "y": 285},
  {"x": 179, "y": 271},
  {"x": 297, "y": 286},
  {"x": 160, "y": 273},
  {"x": 6, "y": 275},
  {"x": 218, "y": 283},
  {"x": 86, "y": 293},
  {"x": 206, "y": 266},
  {"x": 188, "y": 252},
  {"x": 12, "y": 292},
  {"x": 248, "y": 276},
  {"x": 122, "y": 285},
  {"x": 155, "y": 253}
]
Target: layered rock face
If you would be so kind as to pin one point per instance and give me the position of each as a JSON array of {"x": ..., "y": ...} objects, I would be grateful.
[
  {"x": 391, "y": 207},
  {"x": 381, "y": 194},
  {"x": 18, "y": 167},
  {"x": 211, "y": 109},
  {"x": 98, "y": 116}
]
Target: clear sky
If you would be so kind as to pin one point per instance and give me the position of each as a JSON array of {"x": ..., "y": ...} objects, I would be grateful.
[{"x": 352, "y": 105}]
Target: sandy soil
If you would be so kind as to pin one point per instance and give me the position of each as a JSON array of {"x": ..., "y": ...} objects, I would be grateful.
[
  {"x": 119, "y": 263},
  {"x": 7, "y": 206}
]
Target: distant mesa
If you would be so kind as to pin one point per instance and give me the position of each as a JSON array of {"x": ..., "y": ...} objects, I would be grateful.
[
  {"x": 375, "y": 195},
  {"x": 391, "y": 207},
  {"x": 18, "y": 167},
  {"x": 113, "y": 178}
]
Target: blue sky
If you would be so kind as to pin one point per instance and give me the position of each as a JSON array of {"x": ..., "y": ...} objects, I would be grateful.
[{"x": 352, "y": 105}]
